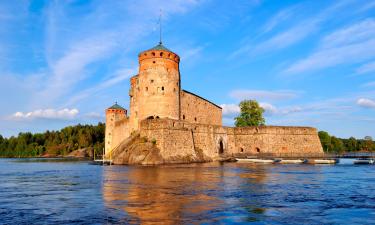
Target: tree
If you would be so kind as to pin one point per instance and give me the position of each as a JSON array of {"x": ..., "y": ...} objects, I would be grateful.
[
  {"x": 325, "y": 140},
  {"x": 368, "y": 143},
  {"x": 251, "y": 114},
  {"x": 337, "y": 145}
]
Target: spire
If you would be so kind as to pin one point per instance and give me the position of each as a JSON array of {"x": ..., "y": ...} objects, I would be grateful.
[{"x": 160, "y": 42}]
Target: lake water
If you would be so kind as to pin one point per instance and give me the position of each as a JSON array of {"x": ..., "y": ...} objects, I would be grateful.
[{"x": 63, "y": 192}]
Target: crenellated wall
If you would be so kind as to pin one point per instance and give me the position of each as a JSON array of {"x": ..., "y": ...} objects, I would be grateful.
[{"x": 195, "y": 109}]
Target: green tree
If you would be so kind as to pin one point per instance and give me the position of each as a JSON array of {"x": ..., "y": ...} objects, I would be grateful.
[
  {"x": 368, "y": 144},
  {"x": 251, "y": 114},
  {"x": 325, "y": 140},
  {"x": 337, "y": 145}
]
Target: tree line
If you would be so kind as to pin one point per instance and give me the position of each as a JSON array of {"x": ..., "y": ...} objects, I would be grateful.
[
  {"x": 54, "y": 143},
  {"x": 332, "y": 144}
]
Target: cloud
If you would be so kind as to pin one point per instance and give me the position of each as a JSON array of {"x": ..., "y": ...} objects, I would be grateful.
[
  {"x": 69, "y": 70},
  {"x": 280, "y": 17},
  {"x": 293, "y": 34},
  {"x": 348, "y": 45},
  {"x": 119, "y": 76},
  {"x": 230, "y": 109},
  {"x": 369, "y": 84},
  {"x": 366, "y": 103},
  {"x": 63, "y": 114},
  {"x": 262, "y": 95},
  {"x": 234, "y": 110},
  {"x": 366, "y": 68}
]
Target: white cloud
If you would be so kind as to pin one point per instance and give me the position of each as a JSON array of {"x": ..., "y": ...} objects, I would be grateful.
[
  {"x": 230, "y": 109},
  {"x": 234, "y": 110},
  {"x": 119, "y": 76},
  {"x": 63, "y": 114},
  {"x": 369, "y": 84},
  {"x": 262, "y": 95},
  {"x": 352, "y": 34},
  {"x": 366, "y": 68},
  {"x": 280, "y": 17},
  {"x": 366, "y": 103},
  {"x": 348, "y": 45}
]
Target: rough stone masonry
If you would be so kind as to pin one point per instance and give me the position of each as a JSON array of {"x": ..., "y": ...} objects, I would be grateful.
[{"x": 170, "y": 125}]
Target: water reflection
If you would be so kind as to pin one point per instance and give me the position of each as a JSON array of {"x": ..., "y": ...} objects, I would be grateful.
[{"x": 173, "y": 194}]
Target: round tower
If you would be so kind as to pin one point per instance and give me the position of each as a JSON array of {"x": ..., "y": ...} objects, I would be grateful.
[
  {"x": 159, "y": 84},
  {"x": 112, "y": 115}
]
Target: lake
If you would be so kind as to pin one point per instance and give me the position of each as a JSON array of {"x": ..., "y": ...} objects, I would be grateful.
[{"x": 73, "y": 192}]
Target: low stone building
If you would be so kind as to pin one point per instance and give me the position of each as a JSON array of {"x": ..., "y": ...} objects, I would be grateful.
[{"x": 170, "y": 125}]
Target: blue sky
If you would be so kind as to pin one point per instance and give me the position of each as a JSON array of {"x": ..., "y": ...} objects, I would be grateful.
[{"x": 309, "y": 63}]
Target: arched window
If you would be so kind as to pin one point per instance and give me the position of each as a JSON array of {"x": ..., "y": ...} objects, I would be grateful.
[
  {"x": 241, "y": 149},
  {"x": 153, "y": 53},
  {"x": 161, "y": 54},
  {"x": 183, "y": 117},
  {"x": 162, "y": 88},
  {"x": 257, "y": 149}
]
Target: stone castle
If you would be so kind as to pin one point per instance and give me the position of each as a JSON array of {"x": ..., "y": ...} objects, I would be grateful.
[{"x": 170, "y": 125}]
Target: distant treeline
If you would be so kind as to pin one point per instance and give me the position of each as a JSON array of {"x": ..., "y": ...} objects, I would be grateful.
[
  {"x": 54, "y": 143},
  {"x": 332, "y": 144}
]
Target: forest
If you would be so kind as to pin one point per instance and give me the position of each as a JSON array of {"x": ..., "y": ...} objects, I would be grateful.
[
  {"x": 71, "y": 138},
  {"x": 54, "y": 143}
]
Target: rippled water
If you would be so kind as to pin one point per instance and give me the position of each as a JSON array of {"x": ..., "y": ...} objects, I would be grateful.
[{"x": 53, "y": 192}]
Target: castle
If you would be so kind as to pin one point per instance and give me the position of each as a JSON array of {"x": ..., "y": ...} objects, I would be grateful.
[{"x": 170, "y": 125}]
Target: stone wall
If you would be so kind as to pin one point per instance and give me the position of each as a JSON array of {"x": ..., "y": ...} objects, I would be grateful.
[
  {"x": 180, "y": 138},
  {"x": 195, "y": 109},
  {"x": 275, "y": 140}
]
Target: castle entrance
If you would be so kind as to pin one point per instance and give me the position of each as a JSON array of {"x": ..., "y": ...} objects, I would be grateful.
[{"x": 221, "y": 147}]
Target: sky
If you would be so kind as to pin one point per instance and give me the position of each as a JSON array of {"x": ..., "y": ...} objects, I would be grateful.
[{"x": 308, "y": 63}]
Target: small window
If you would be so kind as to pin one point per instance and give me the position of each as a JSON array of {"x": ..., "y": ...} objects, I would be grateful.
[
  {"x": 161, "y": 54},
  {"x": 153, "y": 54},
  {"x": 169, "y": 54},
  {"x": 153, "y": 61},
  {"x": 195, "y": 119},
  {"x": 241, "y": 149},
  {"x": 162, "y": 88},
  {"x": 146, "y": 88},
  {"x": 152, "y": 81},
  {"x": 145, "y": 54},
  {"x": 183, "y": 117}
]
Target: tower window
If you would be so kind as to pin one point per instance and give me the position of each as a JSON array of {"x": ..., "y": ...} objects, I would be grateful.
[
  {"x": 169, "y": 55},
  {"x": 161, "y": 54},
  {"x": 153, "y": 54},
  {"x": 162, "y": 88},
  {"x": 183, "y": 117},
  {"x": 153, "y": 61},
  {"x": 195, "y": 118}
]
